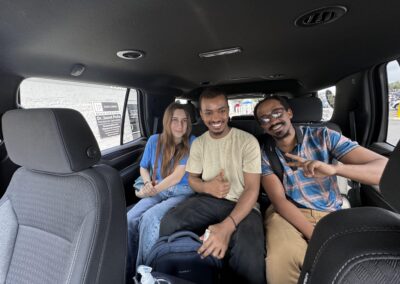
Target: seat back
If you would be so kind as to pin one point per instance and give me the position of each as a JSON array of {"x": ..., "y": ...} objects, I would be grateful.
[
  {"x": 358, "y": 245},
  {"x": 62, "y": 218},
  {"x": 308, "y": 112}
]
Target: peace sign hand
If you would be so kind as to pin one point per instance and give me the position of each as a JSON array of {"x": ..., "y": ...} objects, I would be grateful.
[{"x": 312, "y": 168}]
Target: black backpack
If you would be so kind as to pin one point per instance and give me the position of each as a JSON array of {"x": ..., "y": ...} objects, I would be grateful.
[{"x": 177, "y": 255}]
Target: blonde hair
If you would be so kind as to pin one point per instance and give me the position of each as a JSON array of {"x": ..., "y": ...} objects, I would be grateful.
[{"x": 172, "y": 153}]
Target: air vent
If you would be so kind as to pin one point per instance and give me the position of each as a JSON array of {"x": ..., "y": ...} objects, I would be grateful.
[{"x": 320, "y": 16}]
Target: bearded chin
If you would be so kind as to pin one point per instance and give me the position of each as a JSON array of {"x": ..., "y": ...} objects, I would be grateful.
[{"x": 283, "y": 136}]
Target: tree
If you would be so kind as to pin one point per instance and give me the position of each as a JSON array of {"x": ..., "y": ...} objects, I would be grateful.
[{"x": 394, "y": 86}]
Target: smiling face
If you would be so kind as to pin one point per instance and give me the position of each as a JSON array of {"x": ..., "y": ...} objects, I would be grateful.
[
  {"x": 215, "y": 114},
  {"x": 274, "y": 119},
  {"x": 179, "y": 124}
]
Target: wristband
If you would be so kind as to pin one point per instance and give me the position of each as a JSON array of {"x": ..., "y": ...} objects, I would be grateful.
[{"x": 233, "y": 220}]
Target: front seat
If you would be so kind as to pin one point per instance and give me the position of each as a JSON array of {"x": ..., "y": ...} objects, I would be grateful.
[
  {"x": 359, "y": 245},
  {"x": 62, "y": 218}
]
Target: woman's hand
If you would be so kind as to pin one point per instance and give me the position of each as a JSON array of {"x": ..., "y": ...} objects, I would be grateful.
[{"x": 147, "y": 190}]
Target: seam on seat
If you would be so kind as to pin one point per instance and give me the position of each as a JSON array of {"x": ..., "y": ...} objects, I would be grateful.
[
  {"x": 96, "y": 228},
  {"x": 39, "y": 229},
  {"x": 106, "y": 180},
  {"x": 76, "y": 247},
  {"x": 372, "y": 255},
  {"x": 357, "y": 230},
  {"x": 109, "y": 188},
  {"x": 15, "y": 240}
]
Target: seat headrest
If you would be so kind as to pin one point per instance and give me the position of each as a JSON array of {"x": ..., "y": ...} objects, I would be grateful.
[
  {"x": 50, "y": 140},
  {"x": 390, "y": 180},
  {"x": 306, "y": 109},
  {"x": 191, "y": 108}
]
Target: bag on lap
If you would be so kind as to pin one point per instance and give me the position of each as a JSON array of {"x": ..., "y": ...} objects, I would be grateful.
[{"x": 177, "y": 255}]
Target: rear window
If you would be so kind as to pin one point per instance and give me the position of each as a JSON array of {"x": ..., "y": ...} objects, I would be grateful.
[
  {"x": 242, "y": 106},
  {"x": 102, "y": 106},
  {"x": 327, "y": 97}
]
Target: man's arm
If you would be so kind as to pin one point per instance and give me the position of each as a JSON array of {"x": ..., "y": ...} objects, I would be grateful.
[
  {"x": 276, "y": 193},
  {"x": 248, "y": 198},
  {"x": 216, "y": 187},
  {"x": 150, "y": 190},
  {"x": 360, "y": 164},
  {"x": 174, "y": 178},
  {"x": 220, "y": 233}
]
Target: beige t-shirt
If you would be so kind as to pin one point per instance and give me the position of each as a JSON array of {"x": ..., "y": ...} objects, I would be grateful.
[{"x": 235, "y": 153}]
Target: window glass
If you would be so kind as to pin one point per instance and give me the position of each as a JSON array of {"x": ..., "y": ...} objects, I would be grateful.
[
  {"x": 393, "y": 75},
  {"x": 327, "y": 96},
  {"x": 101, "y": 105},
  {"x": 242, "y": 106}
]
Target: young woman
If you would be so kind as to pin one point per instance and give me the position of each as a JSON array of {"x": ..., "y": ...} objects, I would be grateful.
[{"x": 165, "y": 183}]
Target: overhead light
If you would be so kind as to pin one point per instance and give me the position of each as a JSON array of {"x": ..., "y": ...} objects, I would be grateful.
[
  {"x": 130, "y": 54},
  {"x": 221, "y": 52}
]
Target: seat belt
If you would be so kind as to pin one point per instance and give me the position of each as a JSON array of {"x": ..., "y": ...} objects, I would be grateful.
[
  {"x": 268, "y": 145},
  {"x": 155, "y": 125},
  {"x": 354, "y": 194},
  {"x": 353, "y": 129}
]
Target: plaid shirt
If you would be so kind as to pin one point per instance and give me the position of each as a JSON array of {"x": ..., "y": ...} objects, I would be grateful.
[{"x": 313, "y": 143}]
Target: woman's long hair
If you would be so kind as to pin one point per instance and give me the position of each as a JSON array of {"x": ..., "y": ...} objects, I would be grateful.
[{"x": 171, "y": 153}]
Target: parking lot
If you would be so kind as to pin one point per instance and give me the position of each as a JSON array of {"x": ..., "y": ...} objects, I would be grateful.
[{"x": 393, "y": 128}]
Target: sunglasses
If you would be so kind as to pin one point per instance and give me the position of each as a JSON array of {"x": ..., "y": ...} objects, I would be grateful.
[{"x": 277, "y": 113}]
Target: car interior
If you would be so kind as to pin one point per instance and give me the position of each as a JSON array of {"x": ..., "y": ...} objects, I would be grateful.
[{"x": 66, "y": 176}]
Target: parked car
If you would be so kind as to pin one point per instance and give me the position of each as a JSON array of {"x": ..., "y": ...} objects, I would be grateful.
[
  {"x": 395, "y": 104},
  {"x": 120, "y": 63}
]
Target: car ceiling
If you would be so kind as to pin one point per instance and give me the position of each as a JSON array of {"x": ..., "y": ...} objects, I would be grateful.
[{"x": 47, "y": 38}]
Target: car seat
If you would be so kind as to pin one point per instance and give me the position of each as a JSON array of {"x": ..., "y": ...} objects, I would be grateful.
[{"x": 62, "y": 218}]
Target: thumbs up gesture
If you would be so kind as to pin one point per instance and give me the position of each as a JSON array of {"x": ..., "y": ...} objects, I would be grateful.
[{"x": 218, "y": 186}]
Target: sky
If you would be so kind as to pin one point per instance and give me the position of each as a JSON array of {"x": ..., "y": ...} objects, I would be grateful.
[{"x": 393, "y": 71}]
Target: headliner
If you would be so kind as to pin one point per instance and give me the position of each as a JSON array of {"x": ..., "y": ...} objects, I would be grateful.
[{"x": 46, "y": 38}]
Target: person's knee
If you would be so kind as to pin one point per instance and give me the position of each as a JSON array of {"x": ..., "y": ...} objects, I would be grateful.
[
  {"x": 149, "y": 217},
  {"x": 283, "y": 263}
]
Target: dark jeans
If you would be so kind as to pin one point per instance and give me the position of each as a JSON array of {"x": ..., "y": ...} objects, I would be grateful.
[{"x": 245, "y": 254}]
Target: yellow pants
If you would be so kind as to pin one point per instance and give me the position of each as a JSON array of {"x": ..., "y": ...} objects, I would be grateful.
[{"x": 286, "y": 246}]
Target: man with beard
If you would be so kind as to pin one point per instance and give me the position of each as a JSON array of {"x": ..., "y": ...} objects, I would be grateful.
[
  {"x": 309, "y": 189},
  {"x": 224, "y": 169}
]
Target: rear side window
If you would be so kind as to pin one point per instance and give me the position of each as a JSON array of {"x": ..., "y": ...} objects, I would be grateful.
[
  {"x": 102, "y": 106},
  {"x": 327, "y": 96},
  {"x": 393, "y": 75}
]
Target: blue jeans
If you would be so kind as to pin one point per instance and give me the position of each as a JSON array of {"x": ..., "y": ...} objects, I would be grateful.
[{"x": 144, "y": 223}]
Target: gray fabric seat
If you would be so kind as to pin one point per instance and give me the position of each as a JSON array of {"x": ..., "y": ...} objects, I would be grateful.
[{"x": 62, "y": 218}]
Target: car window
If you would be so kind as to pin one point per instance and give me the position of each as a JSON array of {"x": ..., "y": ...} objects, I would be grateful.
[
  {"x": 242, "y": 106},
  {"x": 393, "y": 76},
  {"x": 102, "y": 106},
  {"x": 327, "y": 96}
]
